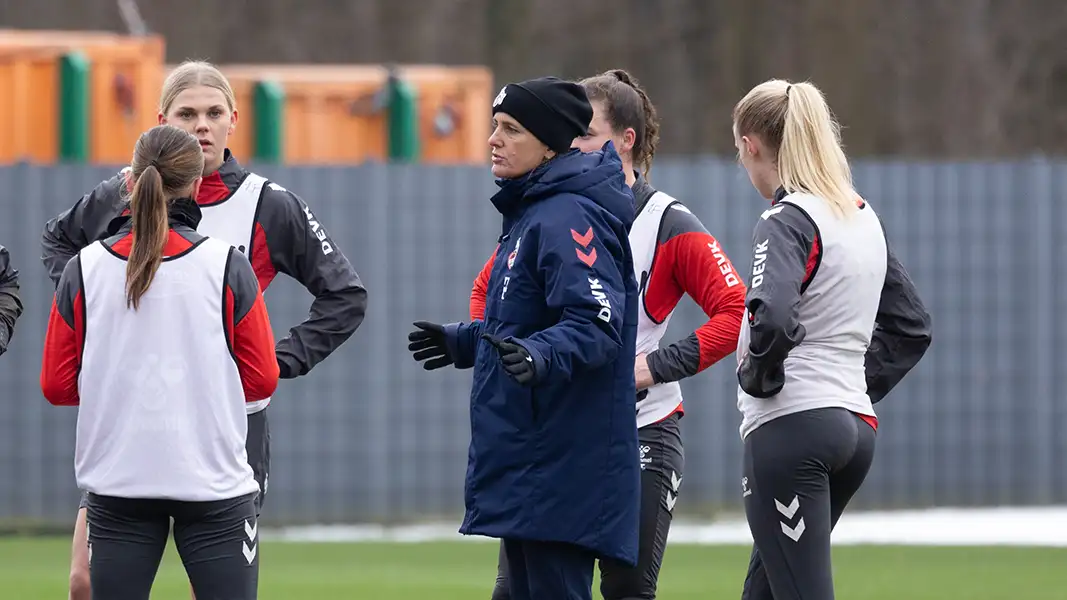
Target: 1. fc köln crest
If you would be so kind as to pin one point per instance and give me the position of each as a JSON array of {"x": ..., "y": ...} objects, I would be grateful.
[{"x": 514, "y": 253}]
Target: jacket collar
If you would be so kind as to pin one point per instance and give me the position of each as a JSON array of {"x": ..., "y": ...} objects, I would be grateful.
[
  {"x": 509, "y": 199},
  {"x": 643, "y": 191},
  {"x": 182, "y": 213},
  {"x": 231, "y": 172}
]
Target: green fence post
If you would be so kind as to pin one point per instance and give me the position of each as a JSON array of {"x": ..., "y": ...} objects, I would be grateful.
[
  {"x": 268, "y": 99},
  {"x": 74, "y": 101},
  {"x": 403, "y": 121}
]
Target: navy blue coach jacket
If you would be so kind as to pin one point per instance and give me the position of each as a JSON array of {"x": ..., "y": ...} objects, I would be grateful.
[{"x": 557, "y": 460}]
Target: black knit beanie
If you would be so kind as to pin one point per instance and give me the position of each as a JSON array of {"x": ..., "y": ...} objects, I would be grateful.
[{"x": 555, "y": 111}]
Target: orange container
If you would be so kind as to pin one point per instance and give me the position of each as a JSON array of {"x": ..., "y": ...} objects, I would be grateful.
[
  {"x": 29, "y": 105},
  {"x": 320, "y": 126},
  {"x": 454, "y": 112},
  {"x": 332, "y": 113},
  {"x": 125, "y": 80}
]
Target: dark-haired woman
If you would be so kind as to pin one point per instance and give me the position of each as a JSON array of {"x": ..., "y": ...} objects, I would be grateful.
[{"x": 160, "y": 336}]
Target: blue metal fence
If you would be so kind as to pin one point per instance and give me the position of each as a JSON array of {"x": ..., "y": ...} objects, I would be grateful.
[{"x": 369, "y": 436}]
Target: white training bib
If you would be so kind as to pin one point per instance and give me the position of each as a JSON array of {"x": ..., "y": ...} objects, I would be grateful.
[
  {"x": 663, "y": 398},
  {"x": 233, "y": 221}
]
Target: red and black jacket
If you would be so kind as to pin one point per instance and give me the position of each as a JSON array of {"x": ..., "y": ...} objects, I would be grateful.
[
  {"x": 248, "y": 330},
  {"x": 282, "y": 243}
]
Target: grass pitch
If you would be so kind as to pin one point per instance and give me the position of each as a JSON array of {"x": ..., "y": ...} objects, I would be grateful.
[{"x": 37, "y": 569}]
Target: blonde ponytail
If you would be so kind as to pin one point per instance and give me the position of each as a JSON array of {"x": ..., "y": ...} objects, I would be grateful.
[
  {"x": 794, "y": 120},
  {"x": 811, "y": 158}
]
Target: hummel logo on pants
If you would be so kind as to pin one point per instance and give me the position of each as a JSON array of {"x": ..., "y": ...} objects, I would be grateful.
[
  {"x": 218, "y": 543},
  {"x": 800, "y": 471}
]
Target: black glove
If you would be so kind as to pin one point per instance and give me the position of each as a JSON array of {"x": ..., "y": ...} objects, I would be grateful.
[
  {"x": 517, "y": 361},
  {"x": 428, "y": 344}
]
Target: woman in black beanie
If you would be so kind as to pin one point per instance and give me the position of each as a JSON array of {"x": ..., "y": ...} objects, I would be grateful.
[
  {"x": 674, "y": 255},
  {"x": 551, "y": 467}
]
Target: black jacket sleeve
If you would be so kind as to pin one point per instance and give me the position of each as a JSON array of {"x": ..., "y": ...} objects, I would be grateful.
[
  {"x": 901, "y": 333},
  {"x": 81, "y": 225},
  {"x": 300, "y": 247},
  {"x": 781, "y": 245},
  {"x": 10, "y": 303}
]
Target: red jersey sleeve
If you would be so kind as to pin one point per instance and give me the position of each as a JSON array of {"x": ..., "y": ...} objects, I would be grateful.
[
  {"x": 480, "y": 289},
  {"x": 64, "y": 339},
  {"x": 690, "y": 261},
  {"x": 250, "y": 336}
]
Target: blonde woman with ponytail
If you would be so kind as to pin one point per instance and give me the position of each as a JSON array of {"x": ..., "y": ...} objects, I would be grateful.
[
  {"x": 160, "y": 336},
  {"x": 832, "y": 323}
]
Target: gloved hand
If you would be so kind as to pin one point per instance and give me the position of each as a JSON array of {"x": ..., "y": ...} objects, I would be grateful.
[
  {"x": 517, "y": 361},
  {"x": 428, "y": 344}
]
